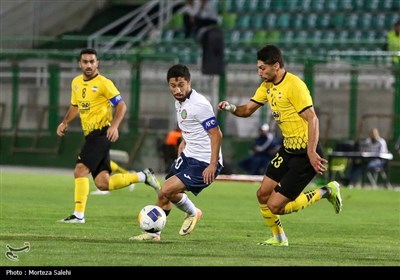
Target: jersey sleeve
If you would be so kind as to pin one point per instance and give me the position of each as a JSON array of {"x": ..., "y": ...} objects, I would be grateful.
[
  {"x": 206, "y": 116},
  {"x": 300, "y": 96},
  {"x": 260, "y": 96},
  {"x": 74, "y": 87},
  {"x": 110, "y": 89},
  {"x": 112, "y": 93}
]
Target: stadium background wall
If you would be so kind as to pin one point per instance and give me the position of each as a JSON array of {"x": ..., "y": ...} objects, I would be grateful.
[{"x": 349, "y": 96}]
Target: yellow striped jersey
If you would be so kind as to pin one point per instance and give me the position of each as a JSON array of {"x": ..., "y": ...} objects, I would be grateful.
[
  {"x": 287, "y": 99},
  {"x": 94, "y": 99}
]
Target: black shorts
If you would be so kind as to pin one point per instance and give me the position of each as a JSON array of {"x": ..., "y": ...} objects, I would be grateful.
[
  {"x": 293, "y": 172},
  {"x": 95, "y": 153}
]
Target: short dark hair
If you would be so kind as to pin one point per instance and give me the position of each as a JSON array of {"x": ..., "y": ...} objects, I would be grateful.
[
  {"x": 270, "y": 54},
  {"x": 178, "y": 70},
  {"x": 87, "y": 51}
]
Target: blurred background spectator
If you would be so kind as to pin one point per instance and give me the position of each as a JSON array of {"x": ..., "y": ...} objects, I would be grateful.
[
  {"x": 263, "y": 150},
  {"x": 206, "y": 14},
  {"x": 393, "y": 42},
  {"x": 197, "y": 16},
  {"x": 189, "y": 19},
  {"x": 374, "y": 144}
]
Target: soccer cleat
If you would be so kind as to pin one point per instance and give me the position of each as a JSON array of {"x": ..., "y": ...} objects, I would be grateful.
[
  {"x": 273, "y": 242},
  {"x": 73, "y": 220},
  {"x": 334, "y": 196},
  {"x": 145, "y": 237},
  {"x": 151, "y": 179},
  {"x": 99, "y": 192},
  {"x": 190, "y": 222},
  {"x": 131, "y": 187}
]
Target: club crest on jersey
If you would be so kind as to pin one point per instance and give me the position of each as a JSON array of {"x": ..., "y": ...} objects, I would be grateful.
[
  {"x": 184, "y": 114},
  {"x": 95, "y": 89}
]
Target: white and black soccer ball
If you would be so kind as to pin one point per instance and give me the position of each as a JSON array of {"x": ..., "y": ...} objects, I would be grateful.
[{"x": 152, "y": 218}]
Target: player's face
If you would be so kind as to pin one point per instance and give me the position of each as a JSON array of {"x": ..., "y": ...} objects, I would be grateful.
[
  {"x": 89, "y": 65},
  {"x": 267, "y": 72},
  {"x": 179, "y": 88}
]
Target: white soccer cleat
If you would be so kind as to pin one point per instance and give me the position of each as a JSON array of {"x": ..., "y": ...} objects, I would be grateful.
[
  {"x": 131, "y": 187},
  {"x": 99, "y": 192},
  {"x": 151, "y": 179},
  {"x": 145, "y": 237},
  {"x": 190, "y": 222},
  {"x": 72, "y": 220}
]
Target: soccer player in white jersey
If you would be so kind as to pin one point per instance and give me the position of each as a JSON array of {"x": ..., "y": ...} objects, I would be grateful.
[{"x": 199, "y": 159}]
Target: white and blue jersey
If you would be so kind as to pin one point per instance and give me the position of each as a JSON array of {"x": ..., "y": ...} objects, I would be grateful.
[{"x": 195, "y": 117}]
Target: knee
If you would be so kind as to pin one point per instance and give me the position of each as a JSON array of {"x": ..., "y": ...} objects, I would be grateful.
[
  {"x": 274, "y": 205},
  {"x": 162, "y": 200},
  {"x": 275, "y": 208},
  {"x": 165, "y": 195},
  {"x": 80, "y": 171},
  {"x": 102, "y": 187},
  {"x": 102, "y": 182},
  {"x": 262, "y": 196}
]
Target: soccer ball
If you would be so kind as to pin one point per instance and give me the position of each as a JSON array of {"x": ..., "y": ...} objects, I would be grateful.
[{"x": 152, "y": 218}]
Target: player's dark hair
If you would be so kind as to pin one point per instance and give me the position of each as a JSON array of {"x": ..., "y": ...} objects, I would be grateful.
[
  {"x": 87, "y": 51},
  {"x": 270, "y": 54},
  {"x": 178, "y": 70}
]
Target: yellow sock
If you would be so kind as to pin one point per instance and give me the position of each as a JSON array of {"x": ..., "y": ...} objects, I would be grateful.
[
  {"x": 119, "y": 181},
  {"x": 115, "y": 168},
  {"x": 302, "y": 201},
  {"x": 272, "y": 221},
  {"x": 81, "y": 193}
]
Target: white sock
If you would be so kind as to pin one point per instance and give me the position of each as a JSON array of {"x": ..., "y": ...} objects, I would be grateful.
[
  {"x": 281, "y": 237},
  {"x": 186, "y": 205},
  {"x": 141, "y": 176},
  {"x": 79, "y": 215},
  {"x": 323, "y": 191}
]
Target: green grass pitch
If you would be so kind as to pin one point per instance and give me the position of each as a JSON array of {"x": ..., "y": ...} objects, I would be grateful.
[{"x": 366, "y": 233}]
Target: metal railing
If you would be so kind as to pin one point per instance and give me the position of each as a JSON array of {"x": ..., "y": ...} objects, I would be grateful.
[{"x": 145, "y": 21}]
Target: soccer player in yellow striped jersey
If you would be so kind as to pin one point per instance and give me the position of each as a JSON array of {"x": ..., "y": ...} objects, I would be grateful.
[
  {"x": 300, "y": 158},
  {"x": 94, "y": 98}
]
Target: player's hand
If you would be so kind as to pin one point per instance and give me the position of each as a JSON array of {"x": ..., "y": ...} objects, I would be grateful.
[
  {"x": 318, "y": 163},
  {"x": 62, "y": 128},
  {"x": 226, "y": 106},
  {"x": 112, "y": 134},
  {"x": 209, "y": 174}
]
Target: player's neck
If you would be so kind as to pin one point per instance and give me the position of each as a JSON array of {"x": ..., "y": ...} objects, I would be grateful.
[
  {"x": 280, "y": 74},
  {"x": 87, "y": 78}
]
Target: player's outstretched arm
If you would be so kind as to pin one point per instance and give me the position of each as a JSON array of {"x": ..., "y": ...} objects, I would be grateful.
[
  {"x": 226, "y": 106},
  {"x": 243, "y": 111}
]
